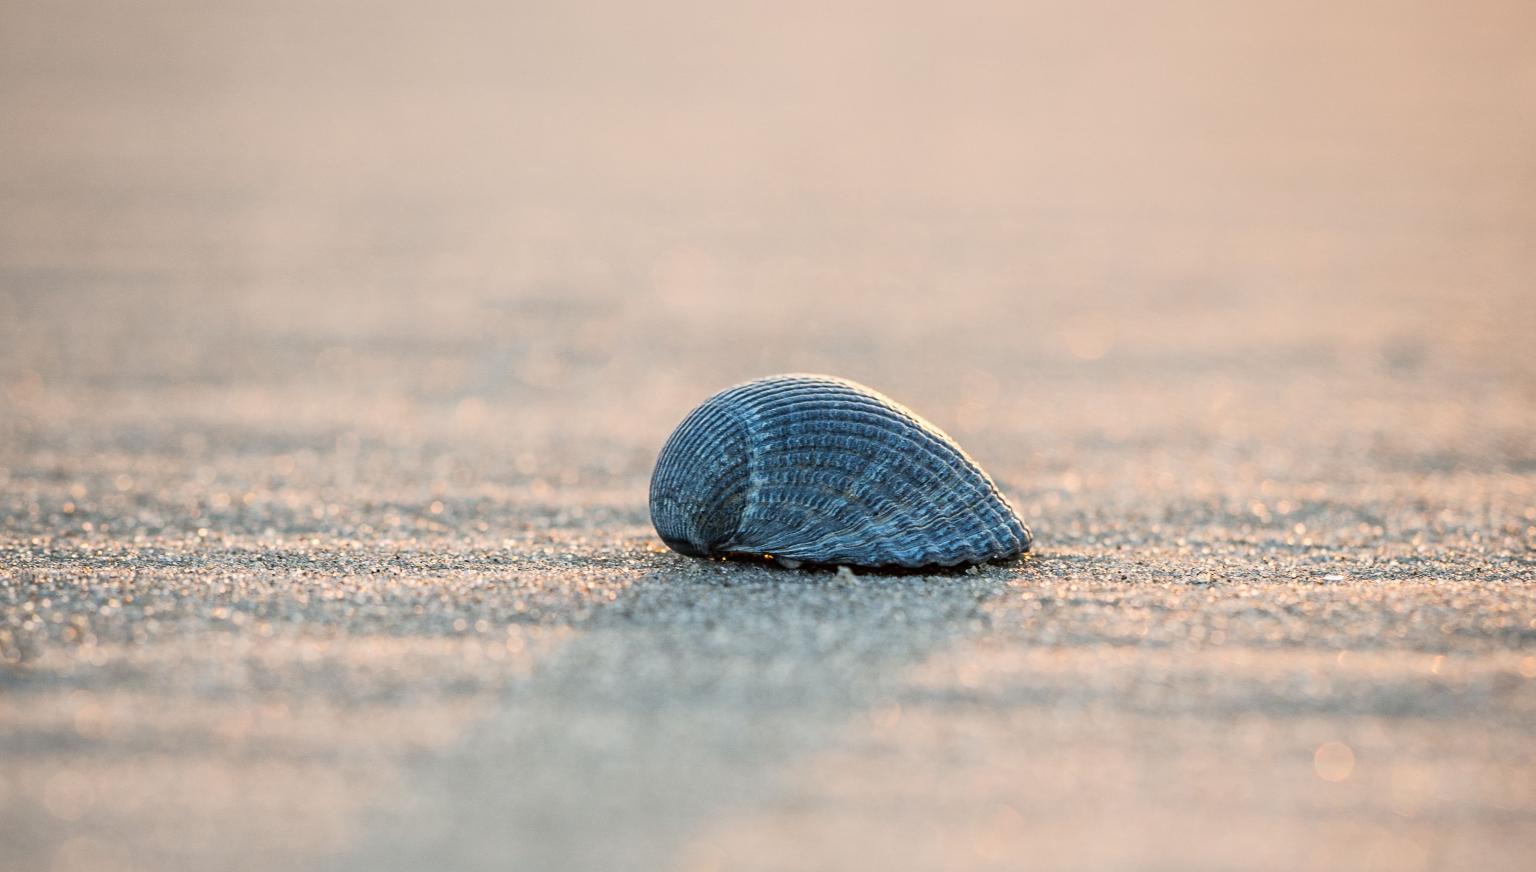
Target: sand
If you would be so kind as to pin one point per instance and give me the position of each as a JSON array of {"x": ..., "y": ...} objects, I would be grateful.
[{"x": 337, "y": 342}]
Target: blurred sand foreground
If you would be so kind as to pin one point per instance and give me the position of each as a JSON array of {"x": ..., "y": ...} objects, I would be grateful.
[{"x": 337, "y": 340}]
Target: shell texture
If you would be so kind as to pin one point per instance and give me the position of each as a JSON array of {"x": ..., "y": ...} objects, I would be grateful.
[{"x": 817, "y": 469}]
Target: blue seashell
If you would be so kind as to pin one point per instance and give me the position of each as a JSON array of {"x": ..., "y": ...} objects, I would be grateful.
[{"x": 817, "y": 469}]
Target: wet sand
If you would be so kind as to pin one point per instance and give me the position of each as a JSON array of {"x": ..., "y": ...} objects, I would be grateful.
[{"x": 337, "y": 341}]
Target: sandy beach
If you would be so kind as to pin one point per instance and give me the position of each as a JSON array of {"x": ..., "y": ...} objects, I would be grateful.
[{"x": 337, "y": 341}]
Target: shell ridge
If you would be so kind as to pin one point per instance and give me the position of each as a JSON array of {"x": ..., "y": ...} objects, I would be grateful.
[
  {"x": 888, "y": 522},
  {"x": 954, "y": 520},
  {"x": 943, "y": 458},
  {"x": 784, "y": 537},
  {"x": 679, "y": 512}
]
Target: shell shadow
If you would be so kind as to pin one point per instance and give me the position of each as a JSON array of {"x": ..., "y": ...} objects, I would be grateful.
[{"x": 812, "y": 570}]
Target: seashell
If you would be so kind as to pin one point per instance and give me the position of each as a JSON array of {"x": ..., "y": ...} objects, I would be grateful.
[{"x": 817, "y": 469}]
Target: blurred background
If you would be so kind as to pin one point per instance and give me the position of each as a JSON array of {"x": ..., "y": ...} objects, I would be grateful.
[
  {"x": 402, "y": 299},
  {"x": 514, "y": 201}
]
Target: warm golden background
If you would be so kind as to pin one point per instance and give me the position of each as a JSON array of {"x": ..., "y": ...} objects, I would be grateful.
[{"x": 337, "y": 339}]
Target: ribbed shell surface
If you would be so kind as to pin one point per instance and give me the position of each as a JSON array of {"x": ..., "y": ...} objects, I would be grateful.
[{"x": 822, "y": 470}]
